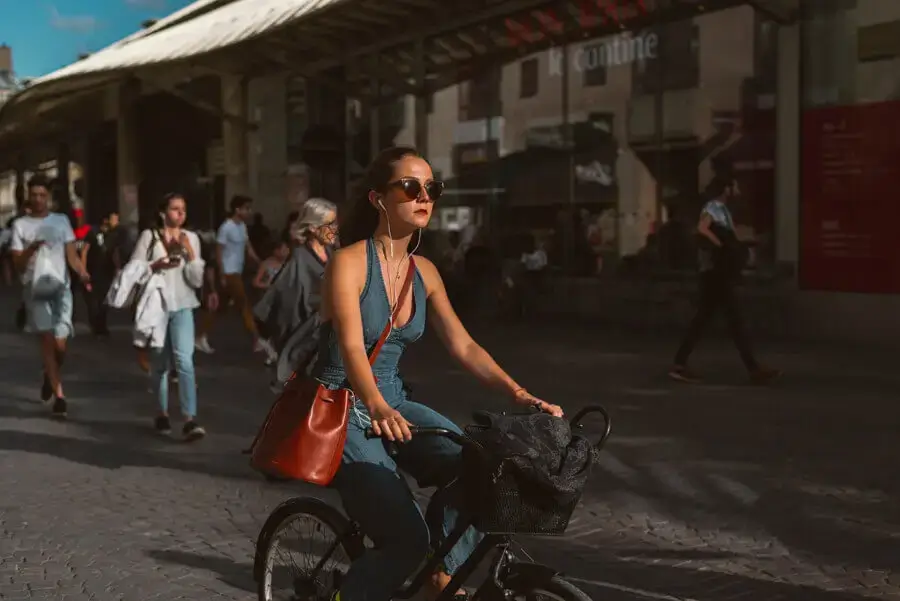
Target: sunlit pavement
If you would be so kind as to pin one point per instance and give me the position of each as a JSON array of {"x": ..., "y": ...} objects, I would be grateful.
[{"x": 713, "y": 492}]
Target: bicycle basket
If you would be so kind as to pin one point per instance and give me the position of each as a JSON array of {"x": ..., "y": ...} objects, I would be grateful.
[{"x": 502, "y": 501}]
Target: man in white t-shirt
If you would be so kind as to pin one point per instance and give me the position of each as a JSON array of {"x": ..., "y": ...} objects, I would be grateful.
[
  {"x": 233, "y": 246},
  {"x": 47, "y": 238}
]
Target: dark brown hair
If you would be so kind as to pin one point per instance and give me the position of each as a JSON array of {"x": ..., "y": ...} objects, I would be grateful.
[
  {"x": 362, "y": 218},
  {"x": 239, "y": 201},
  {"x": 163, "y": 206}
]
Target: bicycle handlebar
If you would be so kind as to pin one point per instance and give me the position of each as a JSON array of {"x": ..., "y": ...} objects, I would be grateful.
[
  {"x": 459, "y": 439},
  {"x": 463, "y": 440},
  {"x": 585, "y": 411}
]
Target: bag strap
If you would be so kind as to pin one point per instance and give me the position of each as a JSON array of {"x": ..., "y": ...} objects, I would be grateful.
[
  {"x": 404, "y": 292},
  {"x": 153, "y": 240}
]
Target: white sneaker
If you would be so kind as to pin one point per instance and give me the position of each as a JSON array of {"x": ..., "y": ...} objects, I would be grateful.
[
  {"x": 202, "y": 345},
  {"x": 264, "y": 346}
]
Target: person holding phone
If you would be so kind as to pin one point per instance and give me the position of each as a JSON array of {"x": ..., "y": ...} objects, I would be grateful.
[
  {"x": 48, "y": 314},
  {"x": 175, "y": 253}
]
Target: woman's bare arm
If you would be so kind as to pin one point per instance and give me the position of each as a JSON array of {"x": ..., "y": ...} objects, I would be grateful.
[{"x": 261, "y": 273}]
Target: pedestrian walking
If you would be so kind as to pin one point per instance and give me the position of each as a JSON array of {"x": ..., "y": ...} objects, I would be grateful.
[
  {"x": 233, "y": 247},
  {"x": 167, "y": 260},
  {"x": 98, "y": 255},
  {"x": 43, "y": 249},
  {"x": 287, "y": 314},
  {"x": 721, "y": 259}
]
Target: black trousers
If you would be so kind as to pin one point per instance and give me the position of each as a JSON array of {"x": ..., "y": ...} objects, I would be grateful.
[
  {"x": 21, "y": 317},
  {"x": 96, "y": 307},
  {"x": 716, "y": 294}
]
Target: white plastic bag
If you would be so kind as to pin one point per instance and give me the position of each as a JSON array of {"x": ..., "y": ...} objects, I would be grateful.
[{"x": 49, "y": 274}]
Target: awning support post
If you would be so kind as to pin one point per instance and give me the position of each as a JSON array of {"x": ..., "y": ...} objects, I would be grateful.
[
  {"x": 375, "y": 112},
  {"x": 61, "y": 193},
  {"x": 129, "y": 169},
  {"x": 234, "y": 136},
  {"x": 422, "y": 98},
  {"x": 20, "y": 182}
]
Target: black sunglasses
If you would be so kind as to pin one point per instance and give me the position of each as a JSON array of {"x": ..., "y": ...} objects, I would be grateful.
[{"x": 412, "y": 188}]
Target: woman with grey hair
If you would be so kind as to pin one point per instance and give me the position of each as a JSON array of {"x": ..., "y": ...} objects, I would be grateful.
[
  {"x": 314, "y": 214},
  {"x": 287, "y": 314}
]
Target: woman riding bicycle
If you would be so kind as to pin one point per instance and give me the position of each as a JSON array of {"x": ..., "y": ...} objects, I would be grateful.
[{"x": 362, "y": 285}]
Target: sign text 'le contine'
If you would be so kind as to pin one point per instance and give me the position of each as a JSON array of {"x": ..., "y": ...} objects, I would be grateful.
[{"x": 590, "y": 13}]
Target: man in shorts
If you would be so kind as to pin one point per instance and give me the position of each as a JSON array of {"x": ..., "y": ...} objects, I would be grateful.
[{"x": 49, "y": 311}]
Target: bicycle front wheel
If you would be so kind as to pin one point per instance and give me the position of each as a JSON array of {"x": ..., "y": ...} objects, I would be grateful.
[
  {"x": 555, "y": 589},
  {"x": 303, "y": 551}
]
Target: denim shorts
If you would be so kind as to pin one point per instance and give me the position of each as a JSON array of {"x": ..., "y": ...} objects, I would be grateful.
[{"x": 51, "y": 314}]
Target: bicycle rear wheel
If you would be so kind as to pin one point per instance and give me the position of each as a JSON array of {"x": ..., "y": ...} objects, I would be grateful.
[
  {"x": 316, "y": 541},
  {"x": 555, "y": 589}
]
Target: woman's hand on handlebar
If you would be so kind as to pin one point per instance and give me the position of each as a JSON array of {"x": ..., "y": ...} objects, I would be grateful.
[
  {"x": 388, "y": 423},
  {"x": 523, "y": 397}
]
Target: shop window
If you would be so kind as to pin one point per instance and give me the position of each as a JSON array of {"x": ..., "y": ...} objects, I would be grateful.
[
  {"x": 677, "y": 63},
  {"x": 477, "y": 96},
  {"x": 528, "y": 82},
  {"x": 592, "y": 62}
]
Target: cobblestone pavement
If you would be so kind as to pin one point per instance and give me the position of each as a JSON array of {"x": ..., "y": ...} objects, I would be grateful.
[{"x": 713, "y": 492}]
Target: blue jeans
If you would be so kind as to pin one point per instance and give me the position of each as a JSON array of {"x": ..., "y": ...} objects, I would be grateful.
[
  {"x": 378, "y": 498},
  {"x": 179, "y": 350}
]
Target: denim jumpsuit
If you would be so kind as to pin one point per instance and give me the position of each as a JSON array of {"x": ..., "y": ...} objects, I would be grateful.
[{"x": 374, "y": 494}]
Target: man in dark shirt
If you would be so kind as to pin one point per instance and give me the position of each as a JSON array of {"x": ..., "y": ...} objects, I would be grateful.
[
  {"x": 20, "y": 312},
  {"x": 209, "y": 296},
  {"x": 720, "y": 262},
  {"x": 99, "y": 256}
]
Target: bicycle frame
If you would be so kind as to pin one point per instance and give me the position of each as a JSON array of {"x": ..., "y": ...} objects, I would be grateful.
[{"x": 505, "y": 571}]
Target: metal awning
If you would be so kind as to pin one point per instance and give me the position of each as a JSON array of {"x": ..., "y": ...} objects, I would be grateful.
[
  {"x": 173, "y": 39},
  {"x": 383, "y": 39}
]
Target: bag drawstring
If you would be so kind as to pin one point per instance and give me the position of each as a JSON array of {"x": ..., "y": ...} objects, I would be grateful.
[{"x": 364, "y": 420}]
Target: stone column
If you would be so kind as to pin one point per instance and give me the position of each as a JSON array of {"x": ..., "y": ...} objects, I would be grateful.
[
  {"x": 234, "y": 136},
  {"x": 421, "y": 104},
  {"x": 20, "y": 191},
  {"x": 62, "y": 196},
  {"x": 128, "y": 167}
]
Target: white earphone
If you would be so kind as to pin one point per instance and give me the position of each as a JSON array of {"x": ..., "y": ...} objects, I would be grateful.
[{"x": 381, "y": 204}]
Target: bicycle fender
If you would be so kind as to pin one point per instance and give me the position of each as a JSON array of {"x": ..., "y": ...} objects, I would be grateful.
[{"x": 525, "y": 576}]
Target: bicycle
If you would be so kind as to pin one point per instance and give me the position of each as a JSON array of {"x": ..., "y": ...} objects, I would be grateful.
[{"x": 507, "y": 578}]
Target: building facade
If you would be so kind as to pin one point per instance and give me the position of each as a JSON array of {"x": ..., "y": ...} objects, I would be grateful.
[
  {"x": 7, "y": 75},
  {"x": 8, "y": 86},
  {"x": 602, "y": 148},
  {"x": 614, "y": 139}
]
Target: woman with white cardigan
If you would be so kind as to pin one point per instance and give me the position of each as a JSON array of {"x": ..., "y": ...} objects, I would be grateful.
[{"x": 174, "y": 254}]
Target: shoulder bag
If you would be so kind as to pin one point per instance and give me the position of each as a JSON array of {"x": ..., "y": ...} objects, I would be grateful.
[
  {"x": 138, "y": 291},
  {"x": 304, "y": 433}
]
